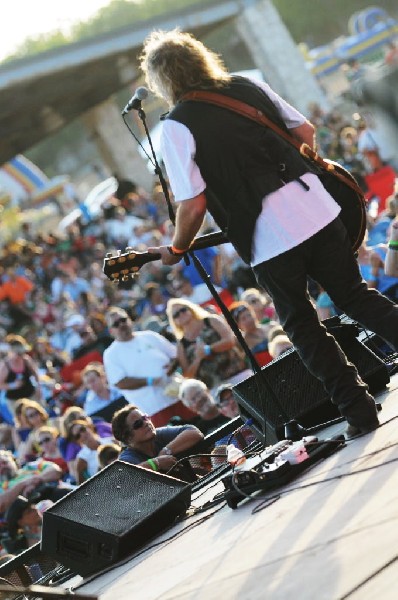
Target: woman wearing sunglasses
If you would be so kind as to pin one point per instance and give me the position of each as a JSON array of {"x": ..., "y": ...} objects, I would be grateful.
[
  {"x": 47, "y": 438},
  {"x": 69, "y": 448},
  {"x": 35, "y": 416},
  {"x": 207, "y": 348},
  {"x": 150, "y": 447},
  {"x": 254, "y": 332},
  {"x": 83, "y": 433}
]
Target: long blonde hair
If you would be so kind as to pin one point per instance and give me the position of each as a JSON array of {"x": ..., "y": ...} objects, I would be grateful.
[
  {"x": 174, "y": 62},
  {"x": 198, "y": 312}
]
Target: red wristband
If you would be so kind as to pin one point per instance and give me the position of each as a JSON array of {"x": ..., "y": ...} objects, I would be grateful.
[{"x": 176, "y": 251}]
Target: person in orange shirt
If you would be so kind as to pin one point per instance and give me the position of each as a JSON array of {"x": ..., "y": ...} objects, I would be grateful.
[
  {"x": 14, "y": 291},
  {"x": 15, "y": 288}
]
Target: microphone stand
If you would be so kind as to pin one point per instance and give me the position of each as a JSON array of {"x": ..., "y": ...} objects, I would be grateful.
[{"x": 293, "y": 430}]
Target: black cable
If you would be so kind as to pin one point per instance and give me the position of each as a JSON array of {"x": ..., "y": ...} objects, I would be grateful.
[
  {"x": 203, "y": 454},
  {"x": 328, "y": 479},
  {"x": 369, "y": 578},
  {"x": 247, "y": 423},
  {"x": 138, "y": 141},
  {"x": 11, "y": 584}
]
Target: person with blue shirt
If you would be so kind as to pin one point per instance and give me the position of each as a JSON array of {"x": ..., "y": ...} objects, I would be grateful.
[{"x": 150, "y": 447}]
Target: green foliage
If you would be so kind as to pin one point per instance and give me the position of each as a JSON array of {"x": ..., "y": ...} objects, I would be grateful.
[
  {"x": 119, "y": 13},
  {"x": 318, "y": 22},
  {"x": 312, "y": 21},
  {"x": 41, "y": 43}
]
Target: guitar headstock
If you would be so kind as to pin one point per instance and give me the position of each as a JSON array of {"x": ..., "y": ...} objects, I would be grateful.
[{"x": 122, "y": 266}]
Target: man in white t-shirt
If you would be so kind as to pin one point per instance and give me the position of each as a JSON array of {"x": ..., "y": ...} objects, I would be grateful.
[
  {"x": 271, "y": 204},
  {"x": 136, "y": 363}
]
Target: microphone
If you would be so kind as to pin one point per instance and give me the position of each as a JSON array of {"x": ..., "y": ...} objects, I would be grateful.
[{"x": 135, "y": 102}]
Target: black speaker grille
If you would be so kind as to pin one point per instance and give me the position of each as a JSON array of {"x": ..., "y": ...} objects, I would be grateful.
[
  {"x": 300, "y": 394},
  {"x": 292, "y": 385},
  {"x": 117, "y": 498}
]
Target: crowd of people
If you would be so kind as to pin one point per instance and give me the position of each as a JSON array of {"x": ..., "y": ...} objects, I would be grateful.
[{"x": 90, "y": 370}]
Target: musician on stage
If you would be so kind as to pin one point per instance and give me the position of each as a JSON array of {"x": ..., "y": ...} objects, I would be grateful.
[{"x": 271, "y": 204}]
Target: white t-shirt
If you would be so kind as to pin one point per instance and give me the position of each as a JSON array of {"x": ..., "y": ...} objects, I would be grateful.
[
  {"x": 289, "y": 215},
  {"x": 146, "y": 355},
  {"x": 370, "y": 139},
  {"x": 91, "y": 456}
]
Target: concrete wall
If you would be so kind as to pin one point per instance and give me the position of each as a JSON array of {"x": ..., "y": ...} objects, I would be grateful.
[
  {"x": 115, "y": 143},
  {"x": 276, "y": 54}
]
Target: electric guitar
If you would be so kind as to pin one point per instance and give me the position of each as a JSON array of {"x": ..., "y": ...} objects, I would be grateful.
[
  {"x": 121, "y": 266},
  {"x": 353, "y": 215}
]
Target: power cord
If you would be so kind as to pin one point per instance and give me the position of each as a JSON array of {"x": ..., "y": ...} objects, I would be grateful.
[{"x": 261, "y": 506}]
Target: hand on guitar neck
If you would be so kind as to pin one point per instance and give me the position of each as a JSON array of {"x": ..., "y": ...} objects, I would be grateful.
[
  {"x": 122, "y": 266},
  {"x": 166, "y": 256}
]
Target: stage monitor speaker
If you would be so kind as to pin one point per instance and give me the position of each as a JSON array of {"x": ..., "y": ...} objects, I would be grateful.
[
  {"x": 111, "y": 515},
  {"x": 300, "y": 394}
]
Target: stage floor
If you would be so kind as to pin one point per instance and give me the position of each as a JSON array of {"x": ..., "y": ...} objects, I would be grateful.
[{"x": 332, "y": 533}]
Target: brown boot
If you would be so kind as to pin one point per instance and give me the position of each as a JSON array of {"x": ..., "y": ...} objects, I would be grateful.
[
  {"x": 361, "y": 416},
  {"x": 351, "y": 431}
]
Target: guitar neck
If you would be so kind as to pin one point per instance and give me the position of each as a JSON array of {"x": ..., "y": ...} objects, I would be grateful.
[
  {"x": 121, "y": 266},
  {"x": 210, "y": 239}
]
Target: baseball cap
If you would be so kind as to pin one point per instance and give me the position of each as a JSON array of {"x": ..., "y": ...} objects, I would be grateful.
[
  {"x": 15, "y": 512},
  {"x": 74, "y": 320},
  {"x": 221, "y": 389}
]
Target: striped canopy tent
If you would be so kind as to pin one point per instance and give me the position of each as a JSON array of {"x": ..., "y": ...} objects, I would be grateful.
[{"x": 22, "y": 181}]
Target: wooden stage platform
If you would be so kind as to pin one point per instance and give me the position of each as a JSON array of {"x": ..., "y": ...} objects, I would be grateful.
[{"x": 332, "y": 533}]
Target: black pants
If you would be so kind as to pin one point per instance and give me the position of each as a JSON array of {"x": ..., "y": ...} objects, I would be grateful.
[{"x": 327, "y": 257}]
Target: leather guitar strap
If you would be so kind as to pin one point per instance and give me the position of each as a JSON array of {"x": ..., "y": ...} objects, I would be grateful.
[{"x": 250, "y": 112}]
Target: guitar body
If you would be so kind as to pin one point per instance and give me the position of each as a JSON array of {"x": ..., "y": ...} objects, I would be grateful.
[{"x": 352, "y": 204}]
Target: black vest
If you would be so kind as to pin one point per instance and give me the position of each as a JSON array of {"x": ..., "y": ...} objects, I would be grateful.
[{"x": 240, "y": 160}]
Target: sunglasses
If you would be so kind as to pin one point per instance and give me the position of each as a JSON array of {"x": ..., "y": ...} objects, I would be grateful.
[
  {"x": 78, "y": 433},
  {"x": 238, "y": 311},
  {"x": 180, "y": 311},
  {"x": 45, "y": 440},
  {"x": 226, "y": 399},
  {"x": 32, "y": 414},
  {"x": 119, "y": 321},
  {"x": 139, "y": 422}
]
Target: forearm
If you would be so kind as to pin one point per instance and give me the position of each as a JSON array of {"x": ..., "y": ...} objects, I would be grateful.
[
  {"x": 53, "y": 473},
  {"x": 391, "y": 263},
  {"x": 9, "y": 386},
  {"x": 186, "y": 439},
  {"x": 190, "y": 370},
  {"x": 305, "y": 134},
  {"x": 8, "y": 497},
  {"x": 190, "y": 215},
  {"x": 80, "y": 470},
  {"x": 221, "y": 346},
  {"x": 135, "y": 383},
  {"x": 391, "y": 260}
]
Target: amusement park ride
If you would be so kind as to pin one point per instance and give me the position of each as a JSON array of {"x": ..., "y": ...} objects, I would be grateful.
[{"x": 370, "y": 30}]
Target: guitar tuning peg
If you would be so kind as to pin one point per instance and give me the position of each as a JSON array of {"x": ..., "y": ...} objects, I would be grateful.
[
  {"x": 118, "y": 253},
  {"x": 108, "y": 255},
  {"x": 129, "y": 249}
]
